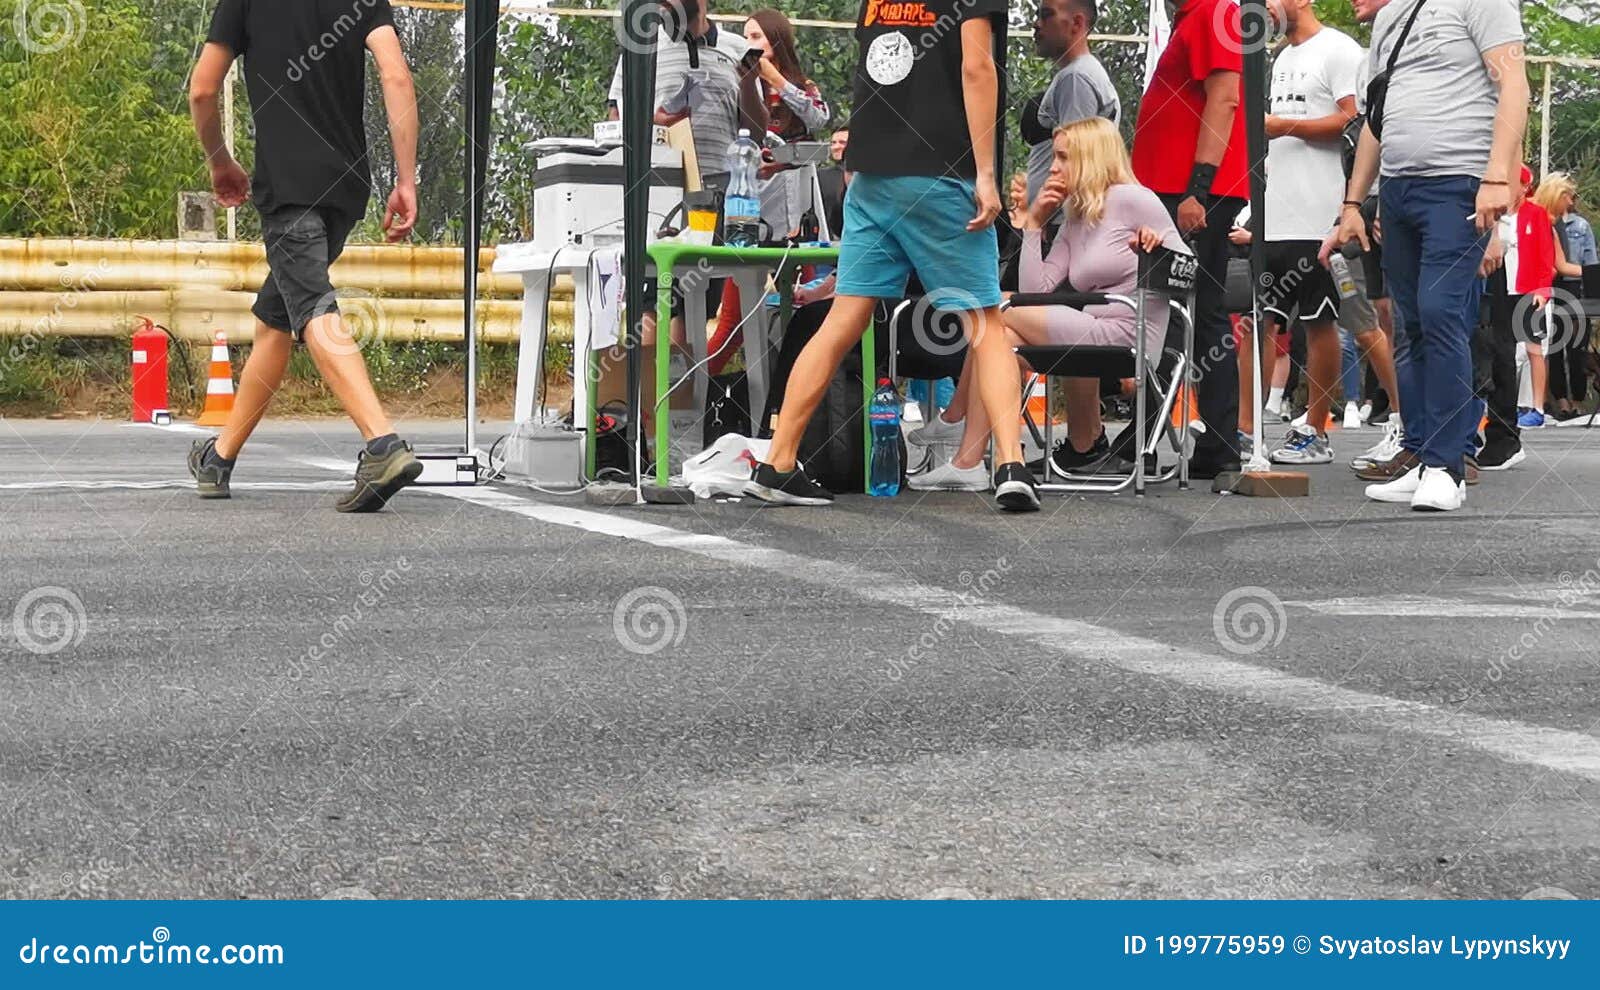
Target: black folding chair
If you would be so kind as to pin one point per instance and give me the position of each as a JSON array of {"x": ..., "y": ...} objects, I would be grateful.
[
  {"x": 1167, "y": 277},
  {"x": 925, "y": 344}
]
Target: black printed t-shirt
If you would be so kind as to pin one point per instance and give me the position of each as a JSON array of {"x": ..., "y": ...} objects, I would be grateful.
[
  {"x": 909, "y": 117},
  {"x": 305, "y": 65}
]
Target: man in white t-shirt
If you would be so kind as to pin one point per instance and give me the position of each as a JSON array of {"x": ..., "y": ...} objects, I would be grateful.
[{"x": 1313, "y": 97}]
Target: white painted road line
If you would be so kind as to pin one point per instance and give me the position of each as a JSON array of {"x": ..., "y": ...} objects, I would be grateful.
[
  {"x": 1425, "y": 607},
  {"x": 120, "y": 484},
  {"x": 1575, "y": 753}
]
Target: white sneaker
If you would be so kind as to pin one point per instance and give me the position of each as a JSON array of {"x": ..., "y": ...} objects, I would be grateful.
[
  {"x": 1387, "y": 449},
  {"x": 1399, "y": 490},
  {"x": 1366, "y": 412},
  {"x": 938, "y": 431},
  {"x": 949, "y": 478},
  {"x": 1352, "y": 416},
  {"x": 1438, "y": 492}
]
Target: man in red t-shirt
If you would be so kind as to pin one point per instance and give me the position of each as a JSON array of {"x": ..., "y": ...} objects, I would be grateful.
[{"x": 1189, "y": 148}]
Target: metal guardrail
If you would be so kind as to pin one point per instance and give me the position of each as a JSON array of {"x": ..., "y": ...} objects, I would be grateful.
[{"x": 98, "y": 288}]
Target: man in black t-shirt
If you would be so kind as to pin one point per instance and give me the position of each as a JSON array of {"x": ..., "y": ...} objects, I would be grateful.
[
  {"x": 305, "y": 67},
  {"x": 923, "y": 198}
]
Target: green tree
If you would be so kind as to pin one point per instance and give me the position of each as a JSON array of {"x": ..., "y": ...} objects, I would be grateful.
[
  {"x": 432, "y": 43},
  {"x": 88, "y": 148}
]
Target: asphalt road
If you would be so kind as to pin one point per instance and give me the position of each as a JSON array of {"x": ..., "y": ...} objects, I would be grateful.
[{"x": 513, "y": 695}]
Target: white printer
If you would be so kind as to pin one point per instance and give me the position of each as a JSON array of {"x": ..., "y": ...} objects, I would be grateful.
[{"x": 577, "y": 194}]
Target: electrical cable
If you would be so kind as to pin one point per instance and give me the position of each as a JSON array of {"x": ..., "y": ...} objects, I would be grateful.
[
  {"x": 689, "y": 374},
  {"x": 182, "y": 349}
]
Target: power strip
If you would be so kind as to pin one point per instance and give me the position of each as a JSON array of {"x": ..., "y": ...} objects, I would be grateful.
[{"x": 448, "y": 470}]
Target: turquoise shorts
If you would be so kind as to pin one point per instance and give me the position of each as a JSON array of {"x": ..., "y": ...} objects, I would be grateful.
[{"x": 898, "y": 224}]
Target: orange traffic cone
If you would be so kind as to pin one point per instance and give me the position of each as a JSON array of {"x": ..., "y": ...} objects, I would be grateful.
[
  {"x": 219, "y": 386},
  {"x": 1039, "y": 402},
  {"x": 1185, "y": 398}
]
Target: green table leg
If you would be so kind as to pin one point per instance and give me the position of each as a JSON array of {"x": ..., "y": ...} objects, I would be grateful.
[
  {"x": 663, "y": 405},
  {"x": 591, "y": 373},
  {"x": 869, "y": 384}
]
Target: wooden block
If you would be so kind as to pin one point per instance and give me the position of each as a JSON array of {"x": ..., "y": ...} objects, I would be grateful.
[{"x": 1265, "y": 484}]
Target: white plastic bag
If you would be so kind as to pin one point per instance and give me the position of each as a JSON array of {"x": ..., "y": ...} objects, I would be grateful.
[{"x": 724, "y": 467}]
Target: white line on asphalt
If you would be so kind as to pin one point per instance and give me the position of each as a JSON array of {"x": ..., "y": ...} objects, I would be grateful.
[
  {"x": 120, "y": 484},
  {"x": 1423, "y": 607},
  {"x": 170, "y": 428},
  {"x": 1575, "y": 753}
]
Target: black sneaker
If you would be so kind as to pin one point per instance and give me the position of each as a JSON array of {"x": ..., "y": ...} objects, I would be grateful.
[
  {"x": 1207, "y": 466},
  {"x": 210, "y": 474},
  {"x": 1013, "y": 488},
  {"x": 1500, "y": 456},
  {"x": 379, "y": 477},
  {"x": 1110, "y": 465},
  {"x": 1068, "y": 460},
  {"x": 785, "y": 487}
]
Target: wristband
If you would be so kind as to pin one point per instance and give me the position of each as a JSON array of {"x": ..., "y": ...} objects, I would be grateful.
[
  {"x": 1200, "y": 180},
  {"x": 1493, "y": 182},
  {"x": 1352, "y": 202}
]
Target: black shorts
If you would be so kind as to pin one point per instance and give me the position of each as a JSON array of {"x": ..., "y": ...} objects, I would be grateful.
[
  {"x": 1296, "y": 280},
  {"x": 302, "y": 243},
  {"x": 1372, "y": 262}
]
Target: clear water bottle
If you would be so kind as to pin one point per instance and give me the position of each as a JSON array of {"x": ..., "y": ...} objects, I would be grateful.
[
  {"x": 885, "y": 417},
  {"x": 742, "y": 202}
]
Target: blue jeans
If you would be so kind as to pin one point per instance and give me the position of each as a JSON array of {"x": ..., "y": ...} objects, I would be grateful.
[
  {"x": 1431, "y": 254},
  {"x": 1349, "y": 367}
]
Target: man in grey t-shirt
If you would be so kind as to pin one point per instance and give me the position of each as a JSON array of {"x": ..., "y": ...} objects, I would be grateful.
[
  {"x": 705, "y": 73},
  {"x": 1452, "y": 128},
  {"x": 1081, "y": 88}
]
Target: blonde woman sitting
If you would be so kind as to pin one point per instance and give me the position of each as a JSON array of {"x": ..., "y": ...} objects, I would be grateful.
[{"x": 1107, "y": 220}]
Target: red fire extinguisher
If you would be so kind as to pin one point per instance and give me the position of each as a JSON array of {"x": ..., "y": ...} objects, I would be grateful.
[{"x": 149, "y": 373}]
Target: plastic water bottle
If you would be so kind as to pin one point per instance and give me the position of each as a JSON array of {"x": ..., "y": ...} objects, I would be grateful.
[
  {"x": 742, "y": 202},
  {"x": 885, "y": 416}
]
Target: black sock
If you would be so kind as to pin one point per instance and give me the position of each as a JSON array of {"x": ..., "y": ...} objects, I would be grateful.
[{"x": 379, "y": 446}]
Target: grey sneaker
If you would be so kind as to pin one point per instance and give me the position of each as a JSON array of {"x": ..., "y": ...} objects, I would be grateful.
[
  {"x": 210, "y": 480},
  {"x": 379, "y": 478},
  {"x": 1303, "y": 445}
]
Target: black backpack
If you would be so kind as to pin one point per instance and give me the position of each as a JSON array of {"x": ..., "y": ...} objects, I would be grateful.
[
  {"x": 831, "y": 448},
  {"x": 727, "y": 407}
]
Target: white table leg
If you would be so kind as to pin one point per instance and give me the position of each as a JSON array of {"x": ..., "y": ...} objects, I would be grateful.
[
  {"x": 582, "y": 337},
  {"x": 752, "y": 285},
  {"x": 694, "y": 318},
  {"x": 530, "y": 350}
]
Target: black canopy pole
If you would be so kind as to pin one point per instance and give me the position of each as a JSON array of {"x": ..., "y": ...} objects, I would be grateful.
[
  {"x": 1253, "y": 106},
  {"x": 640, "y": 19},
  {"x": 482, "y": 37}
]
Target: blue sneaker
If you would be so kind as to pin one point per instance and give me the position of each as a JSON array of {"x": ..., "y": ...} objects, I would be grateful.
[
  {"x": 1303, "y": 445},
  {"x": 1530, "y": 419}
]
